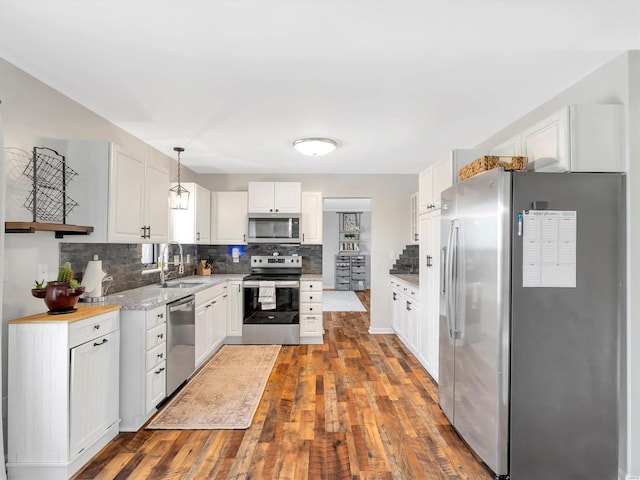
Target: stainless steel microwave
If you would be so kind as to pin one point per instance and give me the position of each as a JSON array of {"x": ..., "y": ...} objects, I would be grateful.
[{"x": 270, "y": 228}]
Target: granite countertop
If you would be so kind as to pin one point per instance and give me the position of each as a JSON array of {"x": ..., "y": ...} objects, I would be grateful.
[
  {"x": 151, "y": 296},
  {"x": 412, "y": 278},
  {"x": 311, "y": 276}
]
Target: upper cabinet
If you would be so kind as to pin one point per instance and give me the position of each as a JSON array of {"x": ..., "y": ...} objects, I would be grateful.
[
  {"x": 311, "y": 218},
  {"x": 414, "y": 218},
  {"x": 229, "y": 218},
  {"x": 274, "y": 197},
  {"x": 138, "y": 198},
  {"x": 578, "y": 138},
  {"x": 441, "y": 175},
  {"x": 193, "y": 225},
  {"x": 508, "y": 148}
]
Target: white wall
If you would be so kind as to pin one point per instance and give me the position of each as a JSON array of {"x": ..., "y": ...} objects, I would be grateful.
[
  {"x": 390, "y": 219},
  {"x": 616, "y": 82}
]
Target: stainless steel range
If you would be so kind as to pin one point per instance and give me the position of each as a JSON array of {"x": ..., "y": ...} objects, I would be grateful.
[{"x": 272, "y": 301}]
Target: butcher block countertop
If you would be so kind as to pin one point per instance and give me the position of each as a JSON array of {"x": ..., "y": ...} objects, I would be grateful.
[{"x": 82, "y": 313}]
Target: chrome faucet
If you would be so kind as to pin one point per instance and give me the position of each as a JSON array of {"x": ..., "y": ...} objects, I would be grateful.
[{"x": 162, "y": 268}]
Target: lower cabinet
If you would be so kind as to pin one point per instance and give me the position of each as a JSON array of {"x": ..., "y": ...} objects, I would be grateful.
[
  {"x": 142, "y": 365},
  {"x": 234, "y": 311},
  {"x": 406, "y": 314},
  {"x": 311, "y": 329},
  {"x": 63, "y": 391},
  {"x": 211, "y": 321}
]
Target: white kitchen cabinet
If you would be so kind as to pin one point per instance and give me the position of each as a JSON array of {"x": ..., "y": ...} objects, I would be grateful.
[
  {"x": 234, "y": 311},
  {"x": 311, "y": 218},
  {"x": 406, "y": 313},
  {"x": 138, "y": 198},
  {"x": 193, "y": 225},
  {"x": 211, "y": 321},
  {"x": 274, "y": 197},
  {"x": 413, "y": 207},
  {"x": 93, "y": 378},
  {"x": 63, "y": 391},
  {"x": 509, "y": 148},
  {"x": 578, "y": 138},
  {"x": 436, "y": 178},
  {"x": 430, "y": 263},
  {"x": 311, "y": 329},
  {"x": 229, "y": 221},
  {"x": 201, "y": 329},
  {"x": 142, "y": 365}
]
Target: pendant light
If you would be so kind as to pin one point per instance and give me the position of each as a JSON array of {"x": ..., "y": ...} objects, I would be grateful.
[{"x": 179, "y": 196}]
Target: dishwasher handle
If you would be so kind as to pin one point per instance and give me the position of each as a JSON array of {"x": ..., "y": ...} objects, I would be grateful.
[{"x": 181, "y": 304}]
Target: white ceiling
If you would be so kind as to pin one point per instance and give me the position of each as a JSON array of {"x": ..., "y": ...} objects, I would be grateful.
[{"x": 396, "y": 83}]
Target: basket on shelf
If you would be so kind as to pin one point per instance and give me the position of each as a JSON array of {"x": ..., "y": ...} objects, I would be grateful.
[{"x": 489, "y": 162}]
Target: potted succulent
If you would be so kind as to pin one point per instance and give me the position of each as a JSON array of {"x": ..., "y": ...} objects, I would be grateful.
[
  {"x": 61, "y": 295},
  {"x": 39, "y": 291}
]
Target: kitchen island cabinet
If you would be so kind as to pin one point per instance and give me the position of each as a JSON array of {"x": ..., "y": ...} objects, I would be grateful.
[{"x": 63, "y": 390}]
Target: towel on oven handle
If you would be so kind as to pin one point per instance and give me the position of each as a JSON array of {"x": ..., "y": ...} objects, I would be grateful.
[{"x": 267, "y": 295}]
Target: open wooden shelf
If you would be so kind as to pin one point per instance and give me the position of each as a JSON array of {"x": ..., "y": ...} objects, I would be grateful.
[{"x": 60, "y": 229}]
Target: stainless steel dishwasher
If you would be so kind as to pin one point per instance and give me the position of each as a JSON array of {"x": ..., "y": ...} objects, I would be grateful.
[{"x": 181, "y": 340}]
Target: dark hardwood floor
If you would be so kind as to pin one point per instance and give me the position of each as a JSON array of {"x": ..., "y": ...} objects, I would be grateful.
[{"x": 359, "y": 406}]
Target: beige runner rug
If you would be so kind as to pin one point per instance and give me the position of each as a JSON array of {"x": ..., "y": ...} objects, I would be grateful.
[{"x": 224, "y": 394}]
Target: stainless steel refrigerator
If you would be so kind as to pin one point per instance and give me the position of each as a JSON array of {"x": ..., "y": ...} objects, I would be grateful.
[{"x": 532, "y": 300}]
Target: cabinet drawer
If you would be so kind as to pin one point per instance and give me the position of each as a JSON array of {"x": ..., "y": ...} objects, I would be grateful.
[
  {"x": 310, "y": 297},
  {"x": 311, "y": 308},
  {"x": 310, "y": 286},
  {"x": 156, "y": 336},
  {"x": 156, "y": 355},
  {"x": 204, "y": 296},
  {"x": 156, "y": 386},
  {"x": 156, "y": 316},
  {"x": 94, "y": 327},
  {"x": 311, "y": 325}
]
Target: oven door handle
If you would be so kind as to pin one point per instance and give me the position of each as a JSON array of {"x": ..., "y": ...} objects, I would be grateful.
[{"x": 278, "y": 284}]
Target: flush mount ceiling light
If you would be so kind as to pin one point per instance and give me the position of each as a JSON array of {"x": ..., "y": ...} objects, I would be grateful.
[
  {"x": 314, "y": 146},
  {"x": 179, "y": 196}
]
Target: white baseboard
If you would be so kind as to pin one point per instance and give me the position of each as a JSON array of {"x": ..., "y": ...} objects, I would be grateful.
[{"x": 377, "y": 331}]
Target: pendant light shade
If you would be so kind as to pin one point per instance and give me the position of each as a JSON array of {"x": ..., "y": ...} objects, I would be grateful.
[
  {"x": 315, "y": 146},
  {"x": 178, "y": 195}
]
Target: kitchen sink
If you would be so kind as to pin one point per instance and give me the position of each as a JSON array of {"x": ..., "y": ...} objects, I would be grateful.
[{"x": 181, "y": 285}]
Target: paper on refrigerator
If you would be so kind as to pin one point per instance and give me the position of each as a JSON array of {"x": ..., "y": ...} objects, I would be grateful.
[{"x": 549, "y": 248}]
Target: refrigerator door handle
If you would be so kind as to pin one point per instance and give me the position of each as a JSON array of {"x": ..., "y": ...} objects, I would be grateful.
[
  {"x": 449, "y": 277},
  {"x": 443, "y": 270},
  {"x": 453, "y": 278}
]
